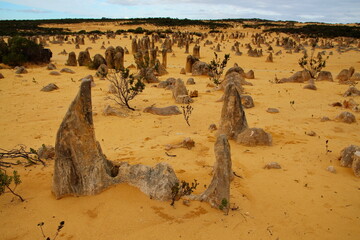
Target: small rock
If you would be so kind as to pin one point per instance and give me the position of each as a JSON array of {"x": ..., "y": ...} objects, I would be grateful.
[
  {"x": 331, "y": 169},
  {"x": 247, "y": 101},
  {"x": 194, "y": 94},
  {"x": 347, "y": 155},
  {"x": 336, "y": 104},
  {"x": 50, "y": 87},
  {"x": 110, "y": 111},
  {"x": 212, "y": 127},
  {"x": 20, "y": 70},
  {"x": 346, "y": 117},
  {"x": 182, "y": 71},
  {"x": 67, "y": 70},
  {"x": 1, "y": 76},
  {"x": 51, "y": 66},
  {"x": 272, "y": 165},
  {"x": 186, "y": 202},
  {"x": 55, "y": 73},
  {"x": 311, "y": 133},
  {"x": 254, "y": 137},
  {"x": 272, "y": 110},
  {"x": 310, "y": 87},
  {"x": 324, "y": 119},
  {"x": 190, "y": 81}
]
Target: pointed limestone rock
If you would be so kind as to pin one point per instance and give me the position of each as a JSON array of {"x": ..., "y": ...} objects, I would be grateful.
[
  {"x": 218, "y": 192},
  {"x": 82, "y": 169},
  {"x": 80, "y": 166},
  {"x": 233, "y": 119}
]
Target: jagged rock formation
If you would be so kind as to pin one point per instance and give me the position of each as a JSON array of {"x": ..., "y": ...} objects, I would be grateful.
[
  {"x": 233, "y": 119},
  {"x": 200, "y": 68},
  {"x": 180, "y": 92},
  {"x": 345, "y": 75},
  {"x": 196, "y": 51},
  {"x": 84, "y": 58},
  {"x": 218, "y": 192},
  {"x": 98, "y": 60},
  {"x": 82, "y": 169},
  {"x": 190, "y": 60},
  {"x": 71, "y": 61},
  {"x": 109, "y": 57}
]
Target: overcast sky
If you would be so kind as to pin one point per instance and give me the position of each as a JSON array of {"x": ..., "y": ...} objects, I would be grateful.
[{"x": 331, "y": 11}]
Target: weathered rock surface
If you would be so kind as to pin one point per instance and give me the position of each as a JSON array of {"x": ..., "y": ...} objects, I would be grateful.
[
  {"x": 200, "y": 68},
  {"x": 180, "y": 92},
  {"x": 67, "y": 70},
  {"x": 346, "y": 117},
  {"x": 247, "y": 101},
  {"x": 82, "y": 169},
  {"x": 233, "y": 119},
  {"x": 80, "y": 166},
  {"x": 20, "y": 70},
  {"x": 84, "y": 58},
  {"x": 186, "y": 143},
  {"x": 98, "y": 60},
  {"x": 50, "y": 66},
  {"x": 165, "y": 111},
  {"x": 50, "y": 87},
  {"x": 272, "y": 165},
  {"x": 110, "y": 111},
  {"x": 345, "y": 75},
  {"x": 325, "y": 76},
  {"x": 102, "y": 71},
  {"x": 254, "y": 137},
  {"x": 347, "y": 155},
  {"x": 218, "y": 192},
  {"x": 71, "y": 61},
  {"x": 298, "y": 77},
  {"x": 352, "y": 92}
]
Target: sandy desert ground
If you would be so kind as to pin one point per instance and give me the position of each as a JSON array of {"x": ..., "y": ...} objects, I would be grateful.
[{"x": 300, "y": 201}]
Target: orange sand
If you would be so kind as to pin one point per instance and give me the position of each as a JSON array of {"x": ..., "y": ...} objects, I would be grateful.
[{"x": 300, "y": 201}]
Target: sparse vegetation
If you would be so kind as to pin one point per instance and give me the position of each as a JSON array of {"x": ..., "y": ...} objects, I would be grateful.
[
  {"x": 182, "y": 189},
  {"x": 187, "y": 110},
  {"x": 127, "y": 86},
  {"x": 7, "y": 180},
  {"x": 313, "y": 65},
  {"x": 217, "y": 67},
  {"x": 224, "y": 206},
  {"x": 61, "y": 225}
]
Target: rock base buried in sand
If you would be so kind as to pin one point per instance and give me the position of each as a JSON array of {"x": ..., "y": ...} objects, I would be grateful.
[
  {"x": 272, "y": 165},
  {"x": 165, "y": 111},
  {"x": 82, "y": 169},
  {"x": 50, "y": 87},
  {"x": 347, "y": 155},
  {"x": 254, "y": 137},
  {"x": 218, "y": 192},
  {"x": 186, "y": 143},
  {"x": 346, "y": 117}
]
